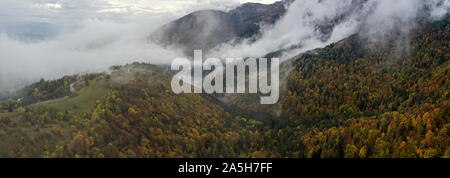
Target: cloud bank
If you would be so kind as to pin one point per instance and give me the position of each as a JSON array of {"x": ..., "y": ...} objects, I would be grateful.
[
  {"x": 52, "y": 38},
  {"x": 96, "y": 46},
  {"x": 302, "y": 27}
]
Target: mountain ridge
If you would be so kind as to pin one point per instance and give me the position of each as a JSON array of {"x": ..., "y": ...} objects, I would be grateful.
[{"x": 206, "y": 29}]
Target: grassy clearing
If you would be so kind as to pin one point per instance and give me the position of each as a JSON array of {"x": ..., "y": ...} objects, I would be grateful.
[
  {"x": 84, "y": 99},
  {"x": 7, "y": 114}
]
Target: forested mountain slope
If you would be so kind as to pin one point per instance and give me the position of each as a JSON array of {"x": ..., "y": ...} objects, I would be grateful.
[
  {"x": 138, "y": 116},
  {"x": 208, "y": 28},
  {"x": 354, "y": 98},
  {"x": 362, "y": 99}
]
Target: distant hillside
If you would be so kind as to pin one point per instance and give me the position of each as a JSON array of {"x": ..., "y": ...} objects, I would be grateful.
[{"x": 206, "y": 29}]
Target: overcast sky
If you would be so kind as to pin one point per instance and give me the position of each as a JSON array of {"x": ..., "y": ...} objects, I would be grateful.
[{"x": 70, "y": 11}]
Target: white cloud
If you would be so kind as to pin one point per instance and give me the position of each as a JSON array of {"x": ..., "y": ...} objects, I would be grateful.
[
  {"x": 48, "y": 6},
  {"x": 299, "y": 26},
  {"x": 93, "y": 35},
  {"x": 94, "y": 47},
  {"x": 61, "y": 10},
  {"x": 259, "y": 1}
]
